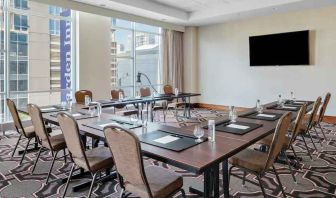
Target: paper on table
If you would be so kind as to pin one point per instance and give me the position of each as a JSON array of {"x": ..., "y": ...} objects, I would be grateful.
[
  {"x": 76, "y": 114},
  {"x": 298, "y": 102},
  {"x": 104, "y": 125},
  {"x": 166, "y": 139},
  {"x": 48, "y": 108},
  {"x": 265, "y": 115},
  {"x": 287, "y": 107},
  {"x": 236, "y": 126}
]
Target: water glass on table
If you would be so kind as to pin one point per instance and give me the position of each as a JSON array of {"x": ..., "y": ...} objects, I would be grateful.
[{"x": 198, "y": 132}]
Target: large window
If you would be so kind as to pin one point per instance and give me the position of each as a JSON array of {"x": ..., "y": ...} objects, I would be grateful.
[
  {"x": 135, "y": 47},
  {"x": 32, "y": 67}
]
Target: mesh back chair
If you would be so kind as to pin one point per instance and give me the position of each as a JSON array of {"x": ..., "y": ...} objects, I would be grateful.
[
  {"x": 308, "y": 123},
  {"x": 80, "y": 96},
  {"x": 289, "y": 139},
  {"x": 319, "y": 118},
  {"x": 54, "y": 143},
  {"x": 256, "y": 162},
  {"x": 95, "y": 161},
  {"x": 115, "y": 95},
  {"x": 27, "y": 132},
  {"x": 146, "y": 92},
  {"x": 152, "y": 181}
]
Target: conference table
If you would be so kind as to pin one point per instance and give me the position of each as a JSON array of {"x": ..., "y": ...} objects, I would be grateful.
[
  {"x": 185, "y": 97},
  {"x": 204, "y": 158}
]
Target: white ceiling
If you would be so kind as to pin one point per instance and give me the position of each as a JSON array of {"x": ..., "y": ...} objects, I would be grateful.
[{"x": 204, "y": 12}]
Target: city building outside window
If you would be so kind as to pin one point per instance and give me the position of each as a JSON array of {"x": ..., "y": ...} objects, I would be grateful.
[
  {"x": 31, "y": 53},
  {"x": 135, "y": 47}
]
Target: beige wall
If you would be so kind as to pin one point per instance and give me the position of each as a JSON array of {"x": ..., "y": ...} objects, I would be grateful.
[
  {"x": 190, "y": 73},
  {"x": 94, "y": 54},
  {"x": 226, "y": 78}
]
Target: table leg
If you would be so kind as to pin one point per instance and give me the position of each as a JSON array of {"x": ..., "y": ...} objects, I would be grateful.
[
  {"x": 207, "y": 183},
  {"x": 216, "y": 180},
  {"x": 210, "y": 185},
  {"x": 226, "y": 184},
  {"x": 189, "y": 104}
]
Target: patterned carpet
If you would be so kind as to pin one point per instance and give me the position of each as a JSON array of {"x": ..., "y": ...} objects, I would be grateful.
[{"x": 316, "y": 178}]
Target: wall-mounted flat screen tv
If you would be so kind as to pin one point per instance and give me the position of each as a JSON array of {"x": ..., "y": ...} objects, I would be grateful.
[{"x": 290, "y": 48}]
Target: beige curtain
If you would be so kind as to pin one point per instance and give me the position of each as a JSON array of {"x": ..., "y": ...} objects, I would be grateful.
[{"x": 172, "y": 60}]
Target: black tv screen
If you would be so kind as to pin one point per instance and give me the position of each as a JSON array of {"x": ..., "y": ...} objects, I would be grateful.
[{"x": 290, "y": 48}]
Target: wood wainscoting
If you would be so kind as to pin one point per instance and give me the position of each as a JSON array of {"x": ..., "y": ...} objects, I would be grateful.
[{"x": 328, "y": 119}]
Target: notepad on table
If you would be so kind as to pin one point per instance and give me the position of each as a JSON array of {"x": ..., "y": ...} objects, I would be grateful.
[
  {"x": 236, "y": 126},
  {"x": 48, "y": 109},
  {"x": 104, "y": 125},
  {"x": 76, "y": 114},
  {"x": 287, "y": 107},
  {"x": 166, "y": 139},
  {"x": 266, "y": 115}
]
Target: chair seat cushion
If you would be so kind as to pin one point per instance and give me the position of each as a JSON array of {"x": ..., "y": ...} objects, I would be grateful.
[
  {"x": 99, "y": 158},
  {"x": 268, "y": 141},
  {"x": 57, "y": 142},
  {"x": 250, "y": 159},
  {"x": 30, "y": 131},
  {"x": 162, "y": 183}
]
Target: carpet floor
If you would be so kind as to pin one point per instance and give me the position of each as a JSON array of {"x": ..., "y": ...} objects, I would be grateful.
[{"x": 316, "y": 178}]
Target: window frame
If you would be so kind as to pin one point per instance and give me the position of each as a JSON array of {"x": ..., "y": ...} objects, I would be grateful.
[{"x": 133, "y": 29}]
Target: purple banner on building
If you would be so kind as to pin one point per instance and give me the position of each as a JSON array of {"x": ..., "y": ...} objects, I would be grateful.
[{"x": 65, "y": 55}]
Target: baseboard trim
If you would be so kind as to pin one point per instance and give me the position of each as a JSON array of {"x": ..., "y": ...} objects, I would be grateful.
[
  {"x": 218, "y": 107},
  {"x": 330, "y": 119}
]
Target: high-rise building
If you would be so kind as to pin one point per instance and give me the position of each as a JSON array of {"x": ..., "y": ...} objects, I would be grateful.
[{"x": 33, "y": 54}]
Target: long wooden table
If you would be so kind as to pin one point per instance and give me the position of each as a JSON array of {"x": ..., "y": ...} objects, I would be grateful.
[
  {"x": 186, "y": 97},
  {"x": 204, "y": 158}
]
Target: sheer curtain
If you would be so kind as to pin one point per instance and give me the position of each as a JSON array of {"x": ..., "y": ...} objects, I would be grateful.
[{"x": 172, "y": 60}]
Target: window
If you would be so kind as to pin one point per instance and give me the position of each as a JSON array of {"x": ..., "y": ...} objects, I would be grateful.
[
  {"x": 20, "y": 22},
  {"x": 21, "y": 4},
  {"x": 31, "y": 54},
  {"x": 135, "y": 48}
]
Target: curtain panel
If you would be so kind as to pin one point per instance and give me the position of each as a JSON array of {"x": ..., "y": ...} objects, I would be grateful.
[{"x": 172, "y": 60}]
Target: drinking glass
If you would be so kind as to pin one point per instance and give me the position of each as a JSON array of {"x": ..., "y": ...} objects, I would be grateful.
[
  {"x": 233, "y": 114},
  {"x": 293, "y": 96},
  {"x": 63, "y": 105},
  {"x": 121, "y": 96},
  {"x": 134, "y": 119},
  {"x": 198, "y": 132},
  {"x": 92, "y": 110},
  {"x": 87, "y": 100},
  {"x": 259, "y": 107},
  {"x": 279, "y": 100},
  {"x": 176, "y": 92}
]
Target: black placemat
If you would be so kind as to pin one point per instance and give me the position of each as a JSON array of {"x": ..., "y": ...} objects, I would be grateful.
[
  {"x": 77, "y": 115},
  {"x": 224, "y": 127},
  {"x": 183, "y": 142},
  {"x": 97, "y": 125},
  {"x": 297, "y": 102},
  {"x": 257, "y": 116},
  {"x": 289, "y": 108}
]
